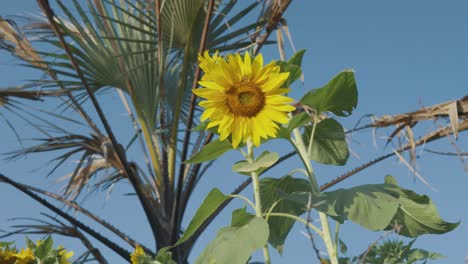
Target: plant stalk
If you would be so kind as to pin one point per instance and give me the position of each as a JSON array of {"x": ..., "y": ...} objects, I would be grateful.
[
  {"x": 256, "y": 189},
  {"x": 298, "y": 143}
]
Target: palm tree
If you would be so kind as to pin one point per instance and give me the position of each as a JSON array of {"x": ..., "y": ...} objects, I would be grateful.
[{"x": 146, "y": 51}]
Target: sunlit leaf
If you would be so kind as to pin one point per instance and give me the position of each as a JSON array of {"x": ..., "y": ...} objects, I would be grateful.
[
  {"x": 211, "y": 151},
  {"x": 273, "y": 190},
  {"x": 212, "y": 201},
  {"x": 339, "y": 96},
  {"x": 234, "y": 245},
  {"x": 265, "y": 160},
  {"x": 418, "y": 215},
  {"x": 329, "y": 143}
]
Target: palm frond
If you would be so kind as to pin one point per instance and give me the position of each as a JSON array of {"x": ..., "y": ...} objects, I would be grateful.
[{"x": 226, "y": 31}]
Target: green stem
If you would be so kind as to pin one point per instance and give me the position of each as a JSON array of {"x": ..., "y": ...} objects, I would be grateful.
[
  {"x": 151, "y": 148},
  {"x": 297, "y": 218},
  {"x": 298, "y": 143},
  {"x": 337, "y": 238},
  {"x": 245, "y": 200},
  {"x": 312, "y": 134},
  {"x": 327, "y": 240},
  {"x": 258, "y": 202}
]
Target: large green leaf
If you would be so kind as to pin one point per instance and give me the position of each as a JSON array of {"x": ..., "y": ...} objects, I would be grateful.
[
  {"x": 418, "y": 215},
  {"x": 372, "y": 206},
  {"x": 339, "y": 96},
  {"x": 235, "y": 245},
  {"x": 273, "y": 190},
  {"x": 211, "y": 151},
  {"x": 214, "y": 199},
  {"x": 329, "y": 145}
]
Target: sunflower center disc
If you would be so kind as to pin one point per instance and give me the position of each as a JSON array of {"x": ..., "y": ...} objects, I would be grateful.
[{"x": 245, "y": 99}]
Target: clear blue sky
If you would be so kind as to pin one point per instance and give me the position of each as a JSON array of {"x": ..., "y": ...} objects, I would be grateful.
[{"x": 405, "y": 54}]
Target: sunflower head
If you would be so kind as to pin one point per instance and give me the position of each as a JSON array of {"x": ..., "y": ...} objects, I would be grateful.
[
  {"x": 136, "y": 254},
  {"x": 243, "y": 98}
]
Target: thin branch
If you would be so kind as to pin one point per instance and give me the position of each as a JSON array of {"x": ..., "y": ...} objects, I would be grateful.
[
  {"x": 134, "y": 180},
  {"x": 116, "y": 248},
  {"x": 437, "y": 134},
  {"x": 309, "y": 232},
  {"x": 84, "y": 211},
  {"x": 91, "y": 248},
  {"x": 395, "y": 229},
  {"x": 272, "y": 23},
  {"x": 447, "y": 153}
]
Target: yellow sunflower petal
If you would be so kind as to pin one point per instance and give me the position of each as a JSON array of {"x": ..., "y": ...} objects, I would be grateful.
[
  {"x": 237, "y": 132},
  {"x": 257, "y": 65},
  {"x": 247, "y": 65},
  {"x": 280, "y": 100},
  {"x": 275, "y": 82}
]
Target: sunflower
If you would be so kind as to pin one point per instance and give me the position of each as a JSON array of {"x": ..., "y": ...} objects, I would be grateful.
[
  {"x": 64, "y": 255},
  {"x": 25, "y": 256},
  {"x": 243, "y": 97},
  {"x": 136, "y": 254}
]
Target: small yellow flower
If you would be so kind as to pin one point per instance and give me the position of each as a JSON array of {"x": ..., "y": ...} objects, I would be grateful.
[
  {"x": 136, "y": 254},
  {"x": 25, "y": 256},
  {"x": 64, "y": 255},
  {"x": 243, "y": 97},
  {"x": 7, "y": 256},
  {"x": 11, "y": 256}
]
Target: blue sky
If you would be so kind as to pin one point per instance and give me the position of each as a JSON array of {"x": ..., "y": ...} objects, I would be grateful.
[{"x": 406, "y": 54}]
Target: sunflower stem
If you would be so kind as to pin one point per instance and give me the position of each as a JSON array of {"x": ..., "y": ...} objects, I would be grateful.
[
  {"x": 312, "y": 134},
  {"x": 298, "y": 143},
  {"x": 256, "y": 189}
]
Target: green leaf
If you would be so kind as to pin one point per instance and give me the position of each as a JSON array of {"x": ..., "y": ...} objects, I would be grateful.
[
  {"x": 293, "y": 66},
  {"x": 44, "y": 249},
  {"x": 339, "y": 96},
  {"x": 240, "y": 217},
  {"x": 372, "y": 206},
  {"x": 343, "y": 247},
  {"x": 265, "y": 160},
  {"x": 298, "y": 120},
  {"x": 164, "y": 257},
  {"x": 234, "y": 245},
  {"x": 50, "y": 260},
  {"x": 273, "y": 190},
  {"x": 295, "y": 72},
  {"x": 296, "y": 59},
  {"x": 329, "y": 146},
  {"x": 422, "y": 255},
  {"x": 418, "y": 215},
  {"x": 211, "y": 151},
  {"x": 214, "y": 199}
]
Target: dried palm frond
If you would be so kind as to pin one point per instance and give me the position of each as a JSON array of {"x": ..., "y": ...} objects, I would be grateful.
[
  {"x": 272, "y": 13},
  {"x": 454, "y": 109},
  {"x": 7, "y": 94},
  {"x": 13, "y": 40},
  {"x": 96, "y": 155}
]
